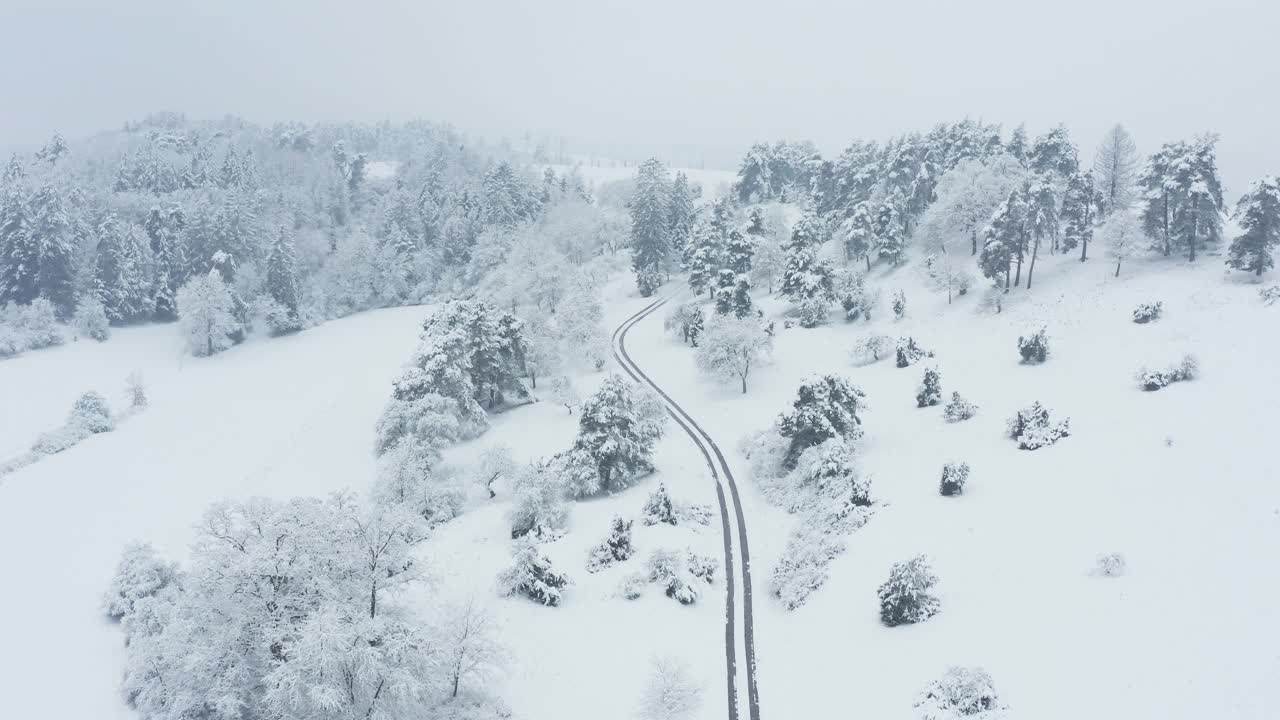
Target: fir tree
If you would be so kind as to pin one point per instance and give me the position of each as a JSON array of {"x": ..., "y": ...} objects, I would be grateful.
[
  {"x": 121, "y": 280},
  {"x": 930, "y": 392},
  {"x": 725, "y": 283},
  {"x": 617, "y": 430},
  {"x": 282, "y": 281},
  {"x": 1004, "y": 239},
  {"x": 659, "y": 508},
  {"x": 19, "y": 248},
  {"x": 1017, "y": 145},
  {"x": 650, "y": 221},
  {"x": 1042, "y": 220},
  {"x": 1054, "y": 153},
  {"x": 1258, "y": 213},
  {"x": 52, "y": 232},
  {"x": 807, "y": 281},
  {"x": 889, "y": 233},
  {"x": 682, "y": 214},
  {"x": 615, "y": 548},
  {"x": 738, "y": 252},
  {"x": 1079, "y": 207},
  {"x": 905, "y": 597},
  {"x": 858, "y": 232},
  {"x": 164, "y": 230}
]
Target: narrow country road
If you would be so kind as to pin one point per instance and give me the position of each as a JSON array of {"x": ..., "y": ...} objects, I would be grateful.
[{"x": 736, "y": 623}]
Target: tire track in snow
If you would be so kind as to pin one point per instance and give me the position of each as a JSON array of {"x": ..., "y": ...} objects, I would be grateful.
[{"x": 719, "y": 468}]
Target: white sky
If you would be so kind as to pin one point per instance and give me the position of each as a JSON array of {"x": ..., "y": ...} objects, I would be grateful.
[{"x": 658, "y": 72}]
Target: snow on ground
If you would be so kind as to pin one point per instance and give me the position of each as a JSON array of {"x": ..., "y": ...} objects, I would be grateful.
[{"x": 1180, "y": 481}]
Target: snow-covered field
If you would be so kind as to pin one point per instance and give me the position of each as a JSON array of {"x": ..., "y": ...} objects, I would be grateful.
[{"x": 1180, "y": 481}]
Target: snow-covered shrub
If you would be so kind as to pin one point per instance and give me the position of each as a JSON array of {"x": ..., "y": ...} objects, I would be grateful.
[
  {"x": 671, "y": 692},
  {"x": 1033, "y": 428},
  {"x": 960, "y": 693},
  {"x": 869, "y": 349},
  {"x": 1034, "y": 348},
  {"x": 1110, "y": 565},
  {"x": 904, "y": 597},
  {"x": 136, "y": 390},
  {"x": 831, "y": 472},
  {"x": 909, "y": 352},
  {"x": 826, "y": 406},
  {"x": 1148, "y": 312},
  {"x": 90, "y": 319},
  {"x": 954, "y": 476},
  {"x": 277, "y": 317},
  {"x": 1270, "y": 295},
  {"x": 12, "y": 341},
  {"x": 40, "y": 321},
  {"x": 685, "y": 320},
  {"x": 432, "y": 420},
  {"x": 632, "y": 586},
  {"x": 55, "y": 441},
  {"x": 615, "y": 548},
  {"x": 648, "y": 280},
  {"x": 1152, "y": 380},
  {"x": 958, "y": 409},
  {"x": 899, "y": 304},
  {"x": 802, "y": 568},
  {"x": 140, "y": 573},
  {"x": 406, "y": 476},
  {"x": 659, "y": 508},
  {"x": 531, "y": 575},
  {"x": 681, "y": 573},
  {"x": 930, "y": 391},
  {"x": 617, "y": 429},
  {"x": 470, "y": 707},
  {"x": 814, "y": 311},
  {"x": 541, "y": 507},
  {"x": 91, "y": 412},
  {"x": 852, "y": 293}
]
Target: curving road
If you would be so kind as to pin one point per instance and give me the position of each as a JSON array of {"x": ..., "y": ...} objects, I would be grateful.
[{"x": 735, "y": 622}]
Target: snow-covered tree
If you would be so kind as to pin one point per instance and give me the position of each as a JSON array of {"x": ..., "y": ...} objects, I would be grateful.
[
  {"x": 531, "y": 575},
  {"x": 808, "y": 281},
  {"x": 1182, "y": 193},
  {"x": 282, "y": 284},
  {"x": 768, "y": 258},
  {"x": 540, "y": 506},
  {"x": 1054, "y": 153},
  {"x": 1034, "y": 347},
  {"x": 1121, "y": 234},
  {"x": 1018, "y": 148},
  {"x": 826, "y": 406},
  {"x": 958, "y": 409},
  {"x": 617, "y": 429},
  {"x": 1116, "y": 165},
  {"x": 467, "y": 640},
  {"x": 650, "y": 221},
  {"x": 905, "y": 597},
  {"x": 681, "y": 213},
  {"x": 954, "y": 476},
  {"x": 1005, "y": 239},
  {"x": 1079, "y": 209},
  {"x": 967, "y": 196},
  {"x": 858, "y": 234},
  {"x": 890, "y": 233},
  {"x": 871, "y": 348},
  {"x": 615, "y": 549},
  {"x": 1258, "y": 214},
  {"x": 205, "y": 310},
  {"x": 140, "y": 573},
  {"x": 730, "y": 347},
  {"x": 90, "y": 320},
  {"x": 671, "y": 693},
  {"x": 1042, "y": 220},
  {"x": 688, "y": 320},
  {"x": 908, "y": 352},
  {"x": 122, "y": 282},
  {"x": 1034, "y": 428},
  {"x": 659, "y": 508},
  {"x": 930, "y": 392},
  {"x": 899, "y": 304}
]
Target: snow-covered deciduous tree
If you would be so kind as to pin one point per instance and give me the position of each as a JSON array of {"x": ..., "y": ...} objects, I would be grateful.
[
  {"x": 540, "y": 506},
  {"x": 1033, "y": 428},
  {"x": 1258, "y": 214},
  {"x": 205, "y": 309},
  {"x": 731, "y": 346},
  {"x": 1121, "y": 234},
  {"x": 615, "y": 549},
  {"x": 617, "y": 429},
  {"x": 825, "y": 407},
  {"x": 671, "y": 692},
  {"x": 960, "y": 694},
  {"x": 140, "y": 573},
  {"x": 966, "y": 198},
  {"x": 686, "y": 319},
  {"x": 466, "y": 638},
  {"x": 1116, "y": 165},
  {"x": 531, "y": 575},
  {"x": 407, "y": 476},
  {"x": 958, "y": 409},
  {"x": 905, "y": 597},
  {"x": 136, "y": 390},
  {"x": 91, "y": 412},
  {"x": 870, "y": 349},
  {"x": 90, "y": 320},
  {"x": 930, "y": 391}
]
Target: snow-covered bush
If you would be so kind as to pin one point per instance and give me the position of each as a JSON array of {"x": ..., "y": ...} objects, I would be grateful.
[
  {"x": 930, "y": 391},
  {"x": 206, "y": 313},
  {"x": 1270, "y": 295},
  {"x": 1034, "y": 348},
  {"x": 1110, "y": 565},
  {"x": 136, "y": 389},
  {"x": 431, "y": 420},
  {"x": 531, "y": 575},
  {"x": 470, "y": 707},
  {"x": 852, "y": 293},
  {"x": 1033, "y": 428},
  {"x": 814, "y": 311},
  {"x": 1148, "y": 312},
  {"x": 671, "y": 692},
  {"x": 659, "y": 508},
  {"x": 278, "y": 318},
  {"x": 899, "y": 305},
  {"x": 615, "y": 548},
  {"x": 869, "y": 349},
  {"x": 958, "y": 409},
  {"x": 1152, "y": 380},
  {"x": 826, "y": 406},
  {"x": 540, "y": 507},
  {"x": 90, "y": 319},
  {"x": 905, "y": 597},
  {"x": 909, "y": 352},
  {"x": 685, "y": 320},
  {"x": 681, "y": 573},
  {"x": 40, "y": 321},
  {"x": 564, "y": 393},
  {"x": 140, "y": 573},
  {"x": 91, "y": 412},
  {"x": 407, "y": 477},
  {"x": 632, "y": 586},
  {"x": 802, "y": 568},
  {"x": 11, "y": 341},
  {"x": 954, "y": 476},
  {"x": 617, "y": 429},
  {"x": 961, "y": 693}
]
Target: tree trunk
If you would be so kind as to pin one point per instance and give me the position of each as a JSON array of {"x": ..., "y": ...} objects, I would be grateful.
[
  {"x": 868, "y": 258},
  {"x": 973, "y": 237},
  {"x": 1195, "y": 230},
  {"x": 455, "y": 684},
  {"x": 1117, "y": 268},
  {"x": 1017, "y": 279},
  {"x": 1035, "y": 250},
  {"x": 1165, "y": 200},
  {"x": 744, "y": 383},
  {"x": 1084, "y": 247},
  {"x": 373, "y": 598}
]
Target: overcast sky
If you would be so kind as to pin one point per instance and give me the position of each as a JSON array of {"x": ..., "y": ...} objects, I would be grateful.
[{"x": 660, "y": 72}]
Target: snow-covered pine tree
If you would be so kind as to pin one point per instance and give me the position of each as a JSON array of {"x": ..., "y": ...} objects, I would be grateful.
[
  {"x": 725, "y": 281},
  {"x": 958, "y": 409},
  {"x": 1004, "y": 239},
  {"x": 1017, "y": 145},
  {"x": 890, "y": 233},
  {"x": 1042, "y": 220},
  {"x": 532, "y": 575},
  {"x": 1054, "y": 153},
  {"x": 826, "y": 406},
  {"x": 164, "y": 231},
  {"x": 930, "y": 392},
  {"x": 19, "y": 249},
  {"x": 659, "y": 509},
  {"x": 905, "y": 597},
  {"x": 205, "y": 310},
  {"x": 858, "y": 234},
  {"x": 1258, "y": 214},
  {"x": 617, "y": 429},
  {"x": 615, "y": 548},
  {"x": 282, "y": 284},
  {"x": 899, "y": 305},
  {"x": 1079, "y": 209},
  {"x": 961, "y": 693},
  {"x": 807, "y": 280},
  {"x": 122, "y": 282},
  {"x": 650, "y": 222},
  {"x": 51, "y": 231},
  {"x": 954, "y": 477},
  {"x": 682, "y": 214}
]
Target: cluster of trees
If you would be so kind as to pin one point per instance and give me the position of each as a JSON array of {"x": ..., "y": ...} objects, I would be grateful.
[{"x": 293, "y": 220}]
